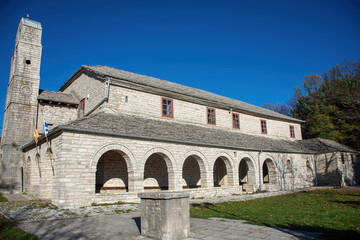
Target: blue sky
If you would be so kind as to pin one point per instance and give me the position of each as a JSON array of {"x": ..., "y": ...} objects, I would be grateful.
[{"x": 254, "y": 51}]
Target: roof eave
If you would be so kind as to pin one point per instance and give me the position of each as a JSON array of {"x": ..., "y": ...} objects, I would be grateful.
[{"x": 31, "y": 144}]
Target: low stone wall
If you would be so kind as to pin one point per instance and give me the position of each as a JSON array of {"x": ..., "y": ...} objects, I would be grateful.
[
  {"x": 101, "y": 198},
  {"x": 214, "y": 192},
  {"x": 130, "y": 197}
]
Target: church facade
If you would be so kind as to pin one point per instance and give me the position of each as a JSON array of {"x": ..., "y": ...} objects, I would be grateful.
[{"x": 114, "y": 134}]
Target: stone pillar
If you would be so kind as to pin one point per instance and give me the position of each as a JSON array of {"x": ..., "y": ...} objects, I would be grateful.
[
  {"x": 165, "y": 215},
  {"x": 206, "y": 179},
  {"x": 136, "y": 181},
  {"x": 178, "y": 181}
]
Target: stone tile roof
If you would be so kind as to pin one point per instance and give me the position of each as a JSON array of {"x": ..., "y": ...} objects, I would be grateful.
[
  {"x": 134, "y": 126},
  {"x": 184, "y": 90},
  {"x": 325, "y": 145},
  {"x": 57, "y": 97}
]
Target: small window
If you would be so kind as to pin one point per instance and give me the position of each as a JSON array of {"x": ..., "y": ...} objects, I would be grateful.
[
  {"x": 263, "y": 127},
  {"x": 236, "y": 122},
  {"x": 81, "y": 108},
  {"x": 167, "y": 107},
  {"x": 211, "y": 116},
  {"x": 292, "y": 131},
  {"x": 342, "y": 158}
]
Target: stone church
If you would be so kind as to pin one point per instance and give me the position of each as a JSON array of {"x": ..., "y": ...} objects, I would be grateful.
[{"x": 114, "y": 134}]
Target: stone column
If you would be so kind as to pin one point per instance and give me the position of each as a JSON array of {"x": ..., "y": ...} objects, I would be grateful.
[
  {"x": 136, "y": 181},
  {"x": 178, "y": 181},
  {"x": 165, "y": 215}
]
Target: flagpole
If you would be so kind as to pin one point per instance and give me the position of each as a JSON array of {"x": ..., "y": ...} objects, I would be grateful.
[
  {"x": 46, "y": 132},
  {"x": 36, "y": 137}
]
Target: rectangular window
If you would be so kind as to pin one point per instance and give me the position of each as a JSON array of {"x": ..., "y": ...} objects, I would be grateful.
[
  {"x": 263, "y": 127},
  {"x": 167, "y": 107},
  {"x": 81, "y": 108},
  {"x": 292, "y": 131},
  {"x": 236, "y": 121},
  {"x": 211, "y": 116}
]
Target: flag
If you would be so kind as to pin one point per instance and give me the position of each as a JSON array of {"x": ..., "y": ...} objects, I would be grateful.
[
  {"x": 36, "y": 135},
  {"x": 46, "y": 129}
]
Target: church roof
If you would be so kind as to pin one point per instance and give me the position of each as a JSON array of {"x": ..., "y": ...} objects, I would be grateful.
[
  {"x": 160, "y": 130},
  {"x": 57, "y": 97},
  {"x": 152, "y": 82},
  {"x": 325, "y": 145}
]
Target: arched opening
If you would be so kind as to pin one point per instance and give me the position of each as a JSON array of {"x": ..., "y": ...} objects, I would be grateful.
[
  {"x": 309, "y": 171},
  {"x": 191, "y": 174},
  {"x": 49, "y": 161},
  {"x": 308, "y": 168},
  {"x": 28, "y": 174},
  {"x": 288, "y": 167},
  {"x": 220, "y": 173},
  {"x": 246, "y": 175},
  {"x": 268, "y": 170},
  {"x": 38, "y": 163},
  {"x": 156, "y": 175},
  {"x": 243, "y": 172},
  {"x": 22, "y": 178},
  {"x": 288, "y": 176},
  {"x": 111, "y": 173}
]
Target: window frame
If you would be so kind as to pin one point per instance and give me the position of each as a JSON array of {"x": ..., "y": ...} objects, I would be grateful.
[
  {"x": 172, "y": 107},
  {"x": 342, "y": 158},
  {"x": 292, "y": 131},
  {"x": 81, "y": 111},
  {"x": 261, "y": 126},
  {"x": 238, "y": 121},
  {"x": 207, "y": 116}
]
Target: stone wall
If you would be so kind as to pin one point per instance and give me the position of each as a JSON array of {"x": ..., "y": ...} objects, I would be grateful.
[
  {"x": 92, "y": 89},
  {"x": 335, "y": 169},
  {"x": 326, "y": 168},
  {"x": 55, "y": 115},
  {"x": 39, "y": 170},
  {"x": 77, "y": 156},
  {"x": 125, "y": 100}
]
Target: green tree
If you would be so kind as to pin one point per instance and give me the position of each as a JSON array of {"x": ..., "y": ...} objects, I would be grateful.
[{"x": 330, "y": 104}]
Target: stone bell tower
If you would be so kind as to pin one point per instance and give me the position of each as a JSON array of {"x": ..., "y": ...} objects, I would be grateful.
[{"x": 21, "y": 103}]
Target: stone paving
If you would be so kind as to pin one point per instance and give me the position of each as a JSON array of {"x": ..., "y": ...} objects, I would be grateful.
[
  {"x": 122, "y": 221},
  {"x": 127, "y": 226}
]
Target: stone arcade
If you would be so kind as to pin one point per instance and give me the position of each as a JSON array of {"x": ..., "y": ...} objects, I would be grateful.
[{"x": 115, "y": 134}]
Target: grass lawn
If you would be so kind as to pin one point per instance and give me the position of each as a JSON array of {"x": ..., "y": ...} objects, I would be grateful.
[
  {"x": 334, "y": 212},
  {"x": 9, "y": 230}
]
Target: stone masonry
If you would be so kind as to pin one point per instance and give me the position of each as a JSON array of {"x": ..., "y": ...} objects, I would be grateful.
[{"x": 21, "y": 102}]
